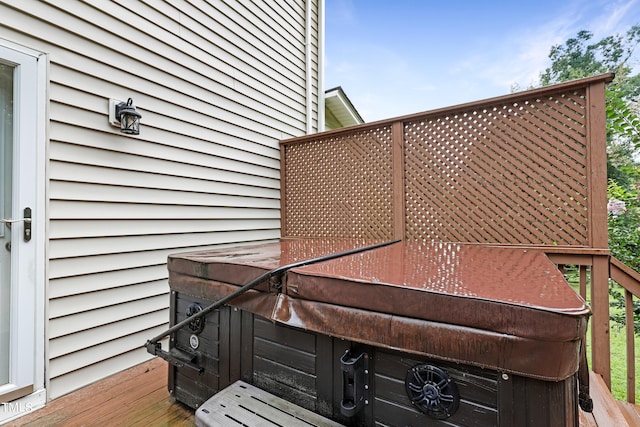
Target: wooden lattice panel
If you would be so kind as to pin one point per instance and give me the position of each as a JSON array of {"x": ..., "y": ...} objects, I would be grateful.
[
  {"x": 340, "y": 187},
  {"x": 514, "y": 172}
]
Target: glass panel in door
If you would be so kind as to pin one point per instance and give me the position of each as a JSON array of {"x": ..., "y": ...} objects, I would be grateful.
[{"x": 6, "y": 142}]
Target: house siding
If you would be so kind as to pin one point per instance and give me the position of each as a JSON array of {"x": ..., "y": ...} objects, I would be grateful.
[{"x": 218, "y": 84}]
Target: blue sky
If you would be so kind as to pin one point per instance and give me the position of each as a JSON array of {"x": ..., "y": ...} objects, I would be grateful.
[{"x": 406, "y": 56}]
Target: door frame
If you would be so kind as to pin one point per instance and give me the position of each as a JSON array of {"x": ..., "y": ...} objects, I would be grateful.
[{"x": 28, "y": 263}]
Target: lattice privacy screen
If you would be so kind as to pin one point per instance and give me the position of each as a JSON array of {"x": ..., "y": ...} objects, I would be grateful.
[
  {"x": 340, "y": 187},
  {"x": 514, "y": 171},
  {"x": 510, "y": 173}
]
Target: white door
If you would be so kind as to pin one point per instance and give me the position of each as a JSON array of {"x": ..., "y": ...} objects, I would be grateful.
[{"x": 21, "y": 257}]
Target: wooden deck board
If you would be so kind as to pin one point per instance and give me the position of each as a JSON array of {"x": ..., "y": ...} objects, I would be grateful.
[
  {"x": 587, "y": 419},
  {"x": 631, "y": 413},
  {"x": 135, "y": 397},
  {"x": 606, "y": 411},
  {"x": 139, "y": 397}
]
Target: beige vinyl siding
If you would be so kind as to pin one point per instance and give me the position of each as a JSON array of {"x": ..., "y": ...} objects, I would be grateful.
[
  {"x": 316, "y": 91},
  {"x": 218, "y": 84}
]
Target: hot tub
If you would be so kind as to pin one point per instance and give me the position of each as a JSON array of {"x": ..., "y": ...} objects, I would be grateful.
[{"x": 409, "y": 334}]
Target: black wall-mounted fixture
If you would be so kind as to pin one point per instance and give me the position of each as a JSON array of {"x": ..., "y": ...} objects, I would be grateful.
[{"x": 125, "y": 116}]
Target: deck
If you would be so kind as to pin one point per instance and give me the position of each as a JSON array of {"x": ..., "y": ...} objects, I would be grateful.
[
  {"x": 139, "y": 397},
  {"x": 135, "y": 397}
]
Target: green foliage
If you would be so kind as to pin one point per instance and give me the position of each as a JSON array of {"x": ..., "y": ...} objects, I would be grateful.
[
  {"x": 618, "y": 314},
  {"x": 624, "y": 224},
  {"x": 572, "y": 61},
  {"x": 623, "y": 121},
  {"x": 624, "y": 241}
]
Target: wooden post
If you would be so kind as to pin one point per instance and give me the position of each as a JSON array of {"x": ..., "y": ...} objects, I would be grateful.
[
  {"x": 597, "y": 166},
  {"x": 631, "y": 350},
  {"x": 600, "y": 343},
  {"x": 598, "y": 229},
  {"x": 398, "y": 180},
  {"x": 583, "y": 281}
]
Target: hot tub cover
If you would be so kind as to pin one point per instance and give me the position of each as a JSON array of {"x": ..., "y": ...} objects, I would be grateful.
[{"x": 504, "y": 308}]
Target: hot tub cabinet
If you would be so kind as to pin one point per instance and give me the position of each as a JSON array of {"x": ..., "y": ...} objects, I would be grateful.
[{"x": 410, "y": 334}]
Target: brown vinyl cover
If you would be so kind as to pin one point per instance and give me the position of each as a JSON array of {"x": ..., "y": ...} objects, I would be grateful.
[
  {"x": 507, "y": 290},
  {"x": 215, "y": 273},
  {"x": 508, "y": 309},
  {"x": 240, "y": 264}
]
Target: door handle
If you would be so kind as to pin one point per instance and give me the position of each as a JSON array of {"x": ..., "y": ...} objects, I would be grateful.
[{"x": 26, "y": 218}]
